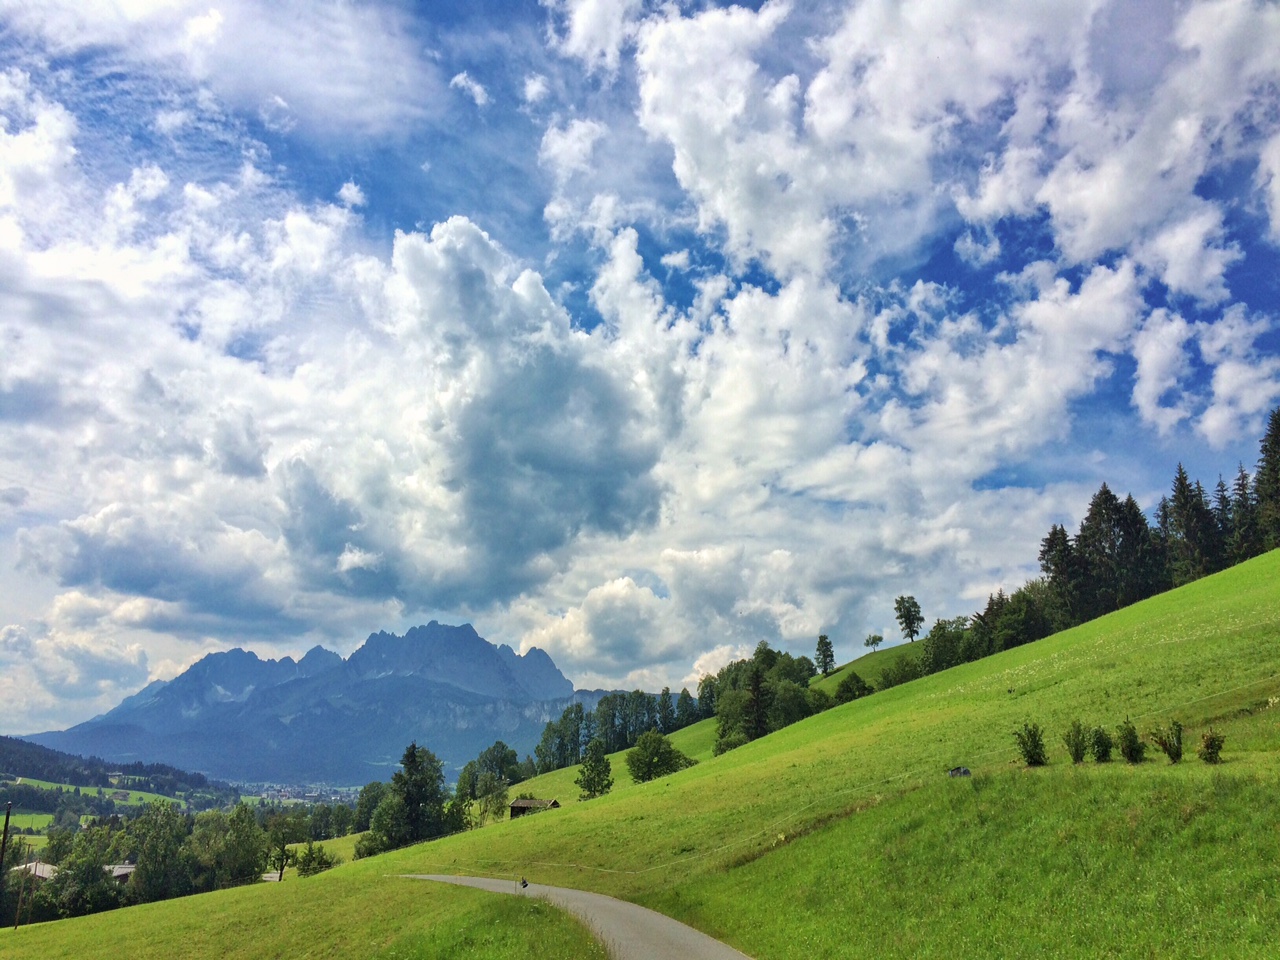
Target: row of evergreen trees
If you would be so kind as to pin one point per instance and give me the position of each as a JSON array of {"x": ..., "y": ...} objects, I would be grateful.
[
  {"x": 619, "y": 720},
  {"x": 1117, "y": 557}
]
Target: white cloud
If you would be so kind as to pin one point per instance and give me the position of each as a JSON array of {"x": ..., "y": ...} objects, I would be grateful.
[
  {"x": 1246, "y": 380},
  {"x": 462, "y": 81},
  {"x": 273, "y": 423},
  {"x": 595, "y": 31},
  {"x": 536, "y": 88},
  {"x": 1160, "y": 349},
  {"x": 567, "y": 150},
  {"x": 1269, "y": 182},
  {"x": 351, "y": 195},
  {"x": 977, "y": 250},
  {"x": 332, "y": 65}
]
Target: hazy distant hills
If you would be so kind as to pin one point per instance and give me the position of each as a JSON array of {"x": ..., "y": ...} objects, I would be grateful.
[{"x": 322, "y": 718}]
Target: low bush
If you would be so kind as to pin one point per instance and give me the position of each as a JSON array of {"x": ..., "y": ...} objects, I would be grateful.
[
  {"x": 1211, "y": 746},
  {"x": 1131, "y": 746},
  {"x": 1169, "y": 739},
  {"x": 313, "y": 859},
  {"x": 732, "y": 742},
  {"x": 901, "y": 671},
  {"x": 1100, "y": 744},
  {"x": 1076, "y": 740},
  {"x": 851, "y": 687},
  {"x": 1030, "y": 742}
]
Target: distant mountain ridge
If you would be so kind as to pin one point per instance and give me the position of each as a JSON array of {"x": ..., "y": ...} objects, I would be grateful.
[{"x": 322, "y": 718}]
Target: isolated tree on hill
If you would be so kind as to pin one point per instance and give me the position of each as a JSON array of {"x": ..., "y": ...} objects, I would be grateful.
[
  {"x": 873, "y": 640},
  {"x": 654, "y": 756},
  {"x": 825, "y": 657},
  {"x": 910, "y": 619},
  {"x": 595, "y": 779}
]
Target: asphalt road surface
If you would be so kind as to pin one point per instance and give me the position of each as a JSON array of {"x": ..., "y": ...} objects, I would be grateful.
[{"x": 628, "y": 931}]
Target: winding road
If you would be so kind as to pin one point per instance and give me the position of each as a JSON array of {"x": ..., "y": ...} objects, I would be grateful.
[{"x": 628, "y": 931}]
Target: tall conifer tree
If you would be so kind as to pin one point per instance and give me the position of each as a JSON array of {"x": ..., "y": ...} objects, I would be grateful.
[{"x": 1267, "y": 484}]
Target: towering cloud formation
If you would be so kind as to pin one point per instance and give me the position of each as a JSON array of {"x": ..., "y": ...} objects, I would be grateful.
[{"x": 656, "y": 332}]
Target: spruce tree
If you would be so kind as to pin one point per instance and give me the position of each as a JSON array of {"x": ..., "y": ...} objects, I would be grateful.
[
  {"x": 1192, "y": 532},
  {"x": 666, "y": 711},
  {"x": 1245, "y": 540},
  {"x": 595, "y": 779},
  {"x": 826, "y": 658},
  {"x": 1266, "y": 484}
]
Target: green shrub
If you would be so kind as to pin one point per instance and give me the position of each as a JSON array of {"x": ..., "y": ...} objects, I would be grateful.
[
  {"x": 1211, "y": 746},
  {"x": 1030, "y": 742},
  {"x": 653, "y": 756},
  {"x": 1077, "y": 741},
  {"x": 1169, "y": 739},
  {"x": 731, "y": 742},
  {"x": 851, "y": 687},
  {"x": 1100, "y": 744},
  {"x": 819, "y": 700},
  {"x": 1131, "y": 746},
  {"x": 903, "y": 670},
  {"x": 314, "y": 859}
]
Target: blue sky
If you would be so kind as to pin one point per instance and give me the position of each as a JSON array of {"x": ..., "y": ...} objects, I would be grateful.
[{"x": 637, "y": 332}]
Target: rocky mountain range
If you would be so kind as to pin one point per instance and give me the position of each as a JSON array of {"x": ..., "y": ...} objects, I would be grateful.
[{"x": 237, "y": 717}]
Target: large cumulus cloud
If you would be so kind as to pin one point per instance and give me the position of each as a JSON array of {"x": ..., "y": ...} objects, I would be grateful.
[{"x": 828, "y": 303}]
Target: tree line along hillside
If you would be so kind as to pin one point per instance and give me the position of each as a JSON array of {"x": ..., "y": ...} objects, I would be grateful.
[
  {"x": 19, "y": 758},
  {"x": 1116, "y": 558}
]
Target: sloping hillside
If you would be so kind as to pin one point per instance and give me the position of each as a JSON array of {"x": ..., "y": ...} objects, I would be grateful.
[{"x": 843, "y": 836}]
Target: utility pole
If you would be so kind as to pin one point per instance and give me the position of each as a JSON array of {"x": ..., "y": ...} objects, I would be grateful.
[{"x": 4, "y": 847}]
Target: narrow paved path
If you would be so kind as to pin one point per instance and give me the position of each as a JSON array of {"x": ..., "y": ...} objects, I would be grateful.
[{"x": 629, "y": 932}]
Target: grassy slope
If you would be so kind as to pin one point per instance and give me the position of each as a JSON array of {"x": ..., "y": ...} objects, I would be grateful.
[
  {"x": 334, "y": 915},
  {"x": 695, "y": 741},
  {"x": 135, "y": 796},
  {"x": 841, "y": 835},
  {"x": 869, "y": 666}
]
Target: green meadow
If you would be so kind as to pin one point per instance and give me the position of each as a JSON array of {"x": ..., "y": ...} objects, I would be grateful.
[
  {"x": 843, "y": 836},
  {"x": 869, "y": 666},
  {"x": 30, "y": 821},
  {"x": 131, "y": 796}
]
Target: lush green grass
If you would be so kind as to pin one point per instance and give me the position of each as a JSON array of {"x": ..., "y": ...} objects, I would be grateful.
[
  {"x": 842, "y": 836},
  {"x": 695, "y": 741},
  {"x": 134, "y": 796},
  {"x": 869, "y": 666},
  {"x": 33, "y": 821},
  {"x": 334, "y": 915}
]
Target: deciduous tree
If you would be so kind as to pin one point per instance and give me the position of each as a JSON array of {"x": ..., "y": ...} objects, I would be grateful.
[
  {"x": 654, "y": 756},
  {"x": 910, "y": 619}
]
